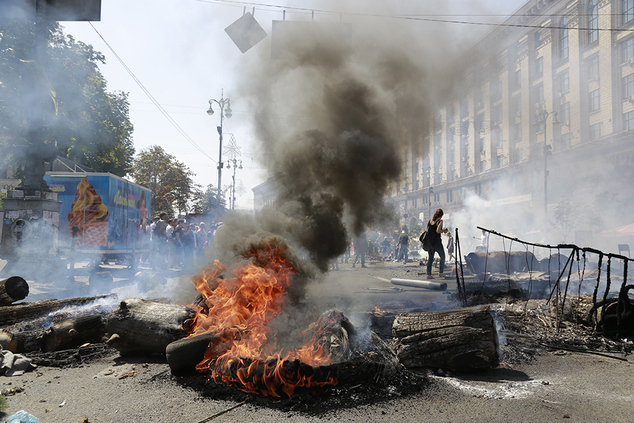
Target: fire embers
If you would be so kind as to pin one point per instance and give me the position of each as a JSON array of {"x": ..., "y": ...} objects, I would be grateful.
[
  {"x": 90, "y": 215},
  {"x": 237, "y": 312}
]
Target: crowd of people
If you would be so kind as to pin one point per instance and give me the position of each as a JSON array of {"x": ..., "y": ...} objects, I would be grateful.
[{"x": 175, "y": 243}]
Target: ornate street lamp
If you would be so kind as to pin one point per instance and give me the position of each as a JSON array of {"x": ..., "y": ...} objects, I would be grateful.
[
  {"x": 237, "y": 164},
  {"x": 225, "y": 111}
]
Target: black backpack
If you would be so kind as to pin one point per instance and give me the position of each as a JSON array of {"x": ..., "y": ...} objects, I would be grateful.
[{"x": 425, "y": 240}]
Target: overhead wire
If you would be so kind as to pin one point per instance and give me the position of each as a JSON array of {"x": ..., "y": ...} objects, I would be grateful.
[
  {"x": 152, "y": 99},
  {"x": 420, "y": 17}
]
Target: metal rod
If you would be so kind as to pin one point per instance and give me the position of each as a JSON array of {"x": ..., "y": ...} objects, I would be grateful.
[{"x": 438, "y": 286}]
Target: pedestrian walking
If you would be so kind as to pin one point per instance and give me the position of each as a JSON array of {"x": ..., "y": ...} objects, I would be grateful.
[
  {"x": 434, "y": 230},
  {"x": 403, "y": 247},
  {"x": 360, "y": 248}
]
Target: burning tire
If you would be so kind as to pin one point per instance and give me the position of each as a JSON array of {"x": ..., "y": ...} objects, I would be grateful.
[{"x": 183, "y": 355}]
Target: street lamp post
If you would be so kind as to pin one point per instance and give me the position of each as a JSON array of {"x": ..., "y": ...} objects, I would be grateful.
[
  {"x": 237, "y": 164},
  {"x": 222, "y": 103},
  {"x": 542, "y": 119}
]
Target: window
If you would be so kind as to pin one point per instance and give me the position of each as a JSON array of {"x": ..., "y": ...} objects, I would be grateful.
[
  {"x": 516, "y": 117},
  {"x": 595, "y": 131},
  {"x": 628, "y": 121},
  {"x": 539, "y": 66},
  {"x": 479, "y": 124},
  {"x": 464, "y": 130},
  {"x": 564, "y": 114},
  {"x": 628, "y": 87},
  {"x": 594, "y": 101},
  {"x": 593, "y": 21},
  {"x": 627, "y": 12},
  {"x": 539, "y": 94},
  {"x": 593, "y": 68},
  {"x": 627, "y": 50},
  {"x": 564, "y": 141},
  {"x": 564, "y": 82},
  {"x": 539, "y": 107},
  {"x": 563, "y": 38},
  {"x": 538, "y": 39},
  {"x": 517, "y": 78},
  {"x": 496, "y": 90},
  {"x": 479, "y": 98},
  {"x": 496, "y": 116}
]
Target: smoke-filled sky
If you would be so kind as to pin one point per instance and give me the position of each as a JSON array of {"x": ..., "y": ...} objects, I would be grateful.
[{"x": 181, "y": 54}]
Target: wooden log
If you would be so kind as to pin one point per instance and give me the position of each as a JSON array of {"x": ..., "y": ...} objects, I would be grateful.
[
  {"x": 457, "y": 340},
  {"x": 13, "y": 289},
  {"x": 74, "y": 332},
  {"x": 16, "y": 313},
  {"x": 146, "y": 327},
  {"x": 28, "y": 340}
]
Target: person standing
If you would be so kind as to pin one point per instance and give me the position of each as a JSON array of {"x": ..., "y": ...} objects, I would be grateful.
[
  {"x": 202, "y": 237},
  {"x": 179, "y": 242},
  {"x": 450, "y": 248},
  {"x": 484, "y": 240},
  {"x": 159, "y": 237},
  {"x": 403, "y": 247},
  {"x": 360, "y": 248},
  {"x": 188, "y": 242},
  {"x": 434, "y": 231}
]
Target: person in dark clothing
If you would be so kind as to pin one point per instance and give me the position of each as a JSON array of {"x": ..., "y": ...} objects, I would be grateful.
[
  {"x": 434, "y": 230},
  {"x": 403, "y": 247},
  {"x": 178, "y": 241},
  {"x": 360, "y": 248}
]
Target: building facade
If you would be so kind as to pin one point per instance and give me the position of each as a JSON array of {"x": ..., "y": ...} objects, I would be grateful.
[{"x": 546, "y": 112}]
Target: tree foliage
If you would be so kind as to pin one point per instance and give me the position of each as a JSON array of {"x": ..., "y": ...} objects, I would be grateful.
[
  {"x": 207, "y": 203},
  {"x": 58, "y": 97},
  {"x": 170, "y": 180}
]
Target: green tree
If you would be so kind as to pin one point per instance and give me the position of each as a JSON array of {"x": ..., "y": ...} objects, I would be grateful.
[
  {"x": 564, "y": 217},
  {"x": 170, "y": 180},
  {"x": 59, "y": 99},
  {"x": 207, "y": 203}
]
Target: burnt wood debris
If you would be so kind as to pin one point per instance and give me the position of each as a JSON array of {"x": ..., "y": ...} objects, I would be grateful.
[{"x": 576, "y": 298}]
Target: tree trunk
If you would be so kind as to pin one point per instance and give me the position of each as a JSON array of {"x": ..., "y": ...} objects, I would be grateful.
[
  {"x": 12, "y": 314},
  {"x": 13, "y": 289},
  {"x": 457, "y": 340},
  {"x": 146, "y": 327}
]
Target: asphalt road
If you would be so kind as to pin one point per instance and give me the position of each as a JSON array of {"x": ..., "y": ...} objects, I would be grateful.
[{"x": 555, "y": 386}]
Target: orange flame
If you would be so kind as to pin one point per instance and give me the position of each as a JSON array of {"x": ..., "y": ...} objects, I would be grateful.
[{"x": 237, "y": 312}]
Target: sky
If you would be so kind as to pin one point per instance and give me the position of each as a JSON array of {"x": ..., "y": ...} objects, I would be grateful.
[{"x": 178, "y": 52}]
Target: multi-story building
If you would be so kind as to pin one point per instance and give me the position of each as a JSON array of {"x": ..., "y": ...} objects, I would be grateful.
[{"x": 546, "y": 114}]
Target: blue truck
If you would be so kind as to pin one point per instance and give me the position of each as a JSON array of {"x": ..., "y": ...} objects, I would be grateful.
[{"x": 101, "y": 213}]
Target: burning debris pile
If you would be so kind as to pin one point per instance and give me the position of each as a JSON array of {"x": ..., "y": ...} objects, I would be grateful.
[{"x": 233, "y": 339}]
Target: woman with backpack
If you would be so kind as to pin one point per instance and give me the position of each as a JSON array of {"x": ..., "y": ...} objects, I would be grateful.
[{"x": 434, "y": 230}]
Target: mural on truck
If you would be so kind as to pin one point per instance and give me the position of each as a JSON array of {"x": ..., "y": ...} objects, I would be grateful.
[
  {"x": 108, "y": 212},
  {"x": 88, "y": 216}
]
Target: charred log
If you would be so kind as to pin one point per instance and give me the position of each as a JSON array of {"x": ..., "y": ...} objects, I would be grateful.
[
  {"x": 146, "y": 327},
  {"x": 74, "y": 332},
  {"x": 457, "y": 340},
  {"x": 16, "y": 313}
]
